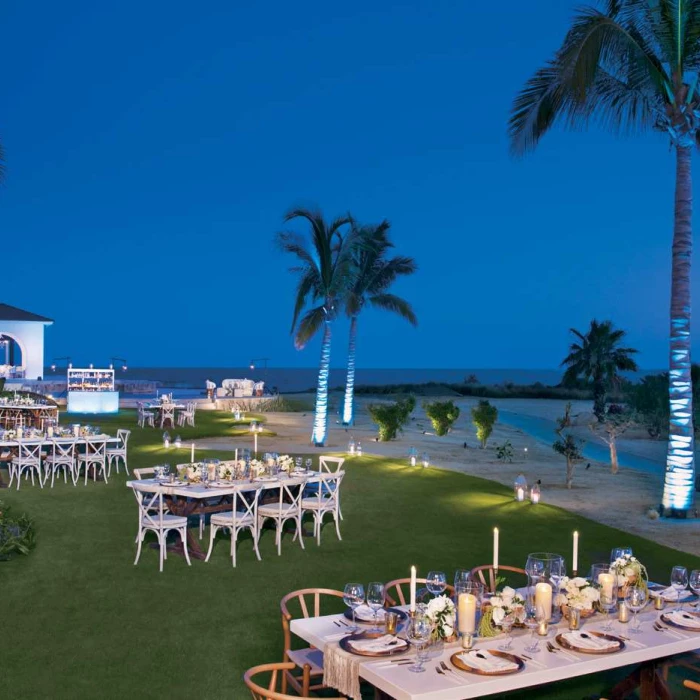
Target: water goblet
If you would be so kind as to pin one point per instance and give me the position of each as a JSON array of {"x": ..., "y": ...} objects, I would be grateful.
[
  {"x": 309, "y": 464},
  {"x": 375, "y": 599},
  {"x": 353, "y": 597},
  {"x": 619, "y": 552},
  {"x": 436, "y": 582},
  {"x": 297, "y": 464},
  {"x": 461, "y": 578},
  {"x": 679, "y": 582},
  {"x": 694, "y": 582},
  {"x": 533, "y": 617},
  {"x": 636, "y": 599},
  {"x": 418, "y": 634},
  {"x": 507, "y": 626}
]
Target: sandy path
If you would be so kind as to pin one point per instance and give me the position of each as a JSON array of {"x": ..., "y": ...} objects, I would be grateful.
[{"x": 620, "y": 500}]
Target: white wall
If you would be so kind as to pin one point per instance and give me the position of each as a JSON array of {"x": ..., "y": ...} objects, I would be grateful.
[{"x": 30, "y": 337}]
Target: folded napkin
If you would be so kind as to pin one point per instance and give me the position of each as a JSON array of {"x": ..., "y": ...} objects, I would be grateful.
[
  {"x": 483, "y": 661},
  {"x": 388, "y": 642},
  {"x": 589, "y": 641},
  {"x": 683, "y": 618},
  {"x": 365, "y": 613},
  {"x": 670, "y": 594}
]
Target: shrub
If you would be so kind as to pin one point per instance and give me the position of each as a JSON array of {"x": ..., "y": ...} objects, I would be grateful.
[
  {"x": 504, "y": 452},
  {"x": 17, "y": 534},
  {"x": 391, "y": 417},
  {"x": 442, "y": 414},
  {"x": 484, "y": 417}
]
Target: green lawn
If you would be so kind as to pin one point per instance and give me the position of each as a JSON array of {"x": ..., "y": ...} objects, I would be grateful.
[{"x": 80, "y": 621}]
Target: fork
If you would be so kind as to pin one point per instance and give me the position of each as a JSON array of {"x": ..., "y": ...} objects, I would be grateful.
[
  {"x": 556, "y": 650},
  {"x": 454, "y": 678},
  {"x": 447, "y": 670}
]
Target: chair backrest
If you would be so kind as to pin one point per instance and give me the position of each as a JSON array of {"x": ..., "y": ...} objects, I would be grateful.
[
  {"x": 245, "y": 502},
  {"x": 29, "y": 452},
  {"x": 123, "y": 435},
  {"x": 487, "y": 575},
  {"x": 287, "y": 496},
  {"x": 395, "y": 595},
  {"x": 269, "y": 691},
  {"x": 150, "y": 505},
  {"x": 96, "y": 448},
  {"x": 167, "y": 411},
  {"x": 328, "y": 488},
  {"x": 326, "y": 463},
  {"x": 297, "y": 599},
  {"x": 144, "y": 472},
  {"x": 63, "y": 450}
]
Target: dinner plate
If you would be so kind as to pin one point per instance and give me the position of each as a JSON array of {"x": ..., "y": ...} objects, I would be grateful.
[
  {"x": 457, "y": 662},
  {"x": 565, "y": 644},
  {"x": 360, "y": 621},
  {"x": 265, "y": 479},
  {"x": 401, "y": 646},
  {"x": 673, "y": 623}
]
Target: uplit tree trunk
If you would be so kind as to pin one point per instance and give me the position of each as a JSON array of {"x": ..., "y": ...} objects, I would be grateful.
[
  {"x": 679, "y": 482},
  {"x": 318, "y": 437},
  {"x": 349, "y": 402},
  {"x": 612, "y": 443},
  {"x": 570, "y": 464},
  {"x": 599, "y": 398}
]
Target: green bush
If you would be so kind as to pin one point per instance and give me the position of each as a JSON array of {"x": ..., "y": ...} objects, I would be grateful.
[
  {"x": 391, "y": 417},
  {"x": 442, "y": 414},
  {"x": 17, "y": 534},
  {"x": 484, "y": 417},
  {"x": 504, "y": 452}
]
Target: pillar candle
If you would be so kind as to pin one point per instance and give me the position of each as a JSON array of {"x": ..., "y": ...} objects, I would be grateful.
[
  {"x": 495, "y": 548},
  {"x": 520, "y": 493},
  {"x": 606, "y": 582},
  {"x": 466, "y": 613},
  {"x": 192, "y": 453},
  {"x": 574, "y": 561},
  {"x": 543, "y": 599},
  {"x": 413, "y": 589}
]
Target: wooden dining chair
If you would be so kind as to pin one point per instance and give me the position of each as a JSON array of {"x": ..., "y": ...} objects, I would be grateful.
[
  {"x": 276, "y": 672},
  {"x": 394, "y": 591},
  {"x": 692, "y": 685},
  {"x": 309, "y": 659},
  {"x": 481, "y": 573}
]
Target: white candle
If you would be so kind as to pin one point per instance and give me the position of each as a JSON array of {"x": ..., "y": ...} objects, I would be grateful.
[
  {"x": 466, "y": 613},
  {"x": 192, "y": 453},
  {"x": 255, "y": 439},
  {"x": 575, "y": 557},
  {"x": 606, "y": 582},
  {"x": 236, "y": 454},
  {"x": 543, "y": 599},
  {"x": 413, "y": 589},
  {"x": 520, "y": 494},
  {"x": 495, "y": 548}
]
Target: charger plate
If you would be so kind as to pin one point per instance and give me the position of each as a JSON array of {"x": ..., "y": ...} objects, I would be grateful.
[
  {"x": 345, "y": 643},
  {"x": 457, "y": 662},
  {"x": 566, "y": 644}
]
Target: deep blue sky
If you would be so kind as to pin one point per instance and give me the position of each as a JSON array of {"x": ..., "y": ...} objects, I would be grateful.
[{"x": 153, "y": 147}]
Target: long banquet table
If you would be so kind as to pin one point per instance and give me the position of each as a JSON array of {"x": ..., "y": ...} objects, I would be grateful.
[
  {"x": 30, "y": 415},
  {"x": 398, "y": 682}
]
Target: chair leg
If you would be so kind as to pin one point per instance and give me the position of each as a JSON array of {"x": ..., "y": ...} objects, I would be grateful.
[
  {"x": 161, "y": 549},
  {"x": 212, "y": 534},
  {"x": 337, "y": 524},
  {"x": 139, "y": 540},
  {"x": 201, "y": 526},
  {"x": 234, "y": 537},
  {"x": 279, "y": 538},
  {"x": 300, "y": 532},
  {"x": 317, "y": 523},
  {"x": 183, "y": 534},
  {"x": 126, "y": 468},
  {"x": 256, "y": 536}
]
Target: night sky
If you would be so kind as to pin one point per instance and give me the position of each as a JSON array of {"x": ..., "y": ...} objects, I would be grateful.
[{"x": 153, "y": 147}]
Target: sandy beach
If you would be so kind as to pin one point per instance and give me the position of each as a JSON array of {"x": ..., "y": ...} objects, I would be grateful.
[{"x": 620, "y": 500}]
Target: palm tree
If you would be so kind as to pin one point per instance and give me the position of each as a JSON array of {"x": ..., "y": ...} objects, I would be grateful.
[
  {"x": 634, "y": 67},
  {"x": 598, "y": 358},
  {"x": 373, "y": 274},
  {"x": 324, "y": 268}
]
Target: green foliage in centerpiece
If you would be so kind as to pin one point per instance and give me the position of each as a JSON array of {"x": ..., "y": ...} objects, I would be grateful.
[
  {"x": 391, "y": 417},
  {"x": 486, "y": 626},
  {"x": 442, "y": 414},
  {"x": 17, "y": 533}
]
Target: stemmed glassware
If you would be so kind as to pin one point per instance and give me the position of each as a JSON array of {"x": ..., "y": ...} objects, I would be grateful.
[
  {"x": 436, "y": 582},
  {"x": 534, "y": 616},
  {"x": 619, "y": 552},
  {"x": 375, "y": 599},
  {"x": 418, "y": 633},
  {"x": 694, "y": 582},
  {"x": 679, "y": 581},
  {"x": 507, "y": 626},
  {"x": 309, "y": 464},
  {"x": 461, "y": 578},
  {"x": 635, "y": 599},
  {"x": 353, "y": 597}
]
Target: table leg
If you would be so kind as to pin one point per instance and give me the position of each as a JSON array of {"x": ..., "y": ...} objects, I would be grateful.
[{"x": 649, "y": 681}]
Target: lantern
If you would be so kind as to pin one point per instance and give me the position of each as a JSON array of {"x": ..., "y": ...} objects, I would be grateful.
[
  {"x": 412, "y": 455},
  {"x": 178, "y": 442},
  {"x": 520, "y": 487},
  {"x": 166, "y": 439},
  {"x": 253, "y": 426},
  {"x": 358, "y": 449},
  {"x": 535, "y": 493},
  {"x": 425, "y": 459},
  {"x": 351, "y": 447}
]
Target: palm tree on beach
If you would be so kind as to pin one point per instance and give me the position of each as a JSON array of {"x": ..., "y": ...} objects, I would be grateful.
[
  {"x": 598, "y": 357},
  {"x": 373, "y": 275},
  {"x": 324, "y": 267},
  {"x": 634, "y": 67}
]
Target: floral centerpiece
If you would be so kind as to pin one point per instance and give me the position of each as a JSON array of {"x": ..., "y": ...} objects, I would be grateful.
[
  {"x": 441, "y": 612},
  {"x": 257, "y": 467},
  {"x": 579, "y": 594},
  {"x": 194, "y": 472},
  {"x": 630, "y": 572},
  {"x": 285, "y": 463},
  {"x": 507, "y": 603}
]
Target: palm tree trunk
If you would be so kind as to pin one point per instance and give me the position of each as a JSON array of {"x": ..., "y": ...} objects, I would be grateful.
[
  {"x": 318, "y": 437},
  {"x": 679, "y": 482},
  {"x": 599, "y": 391},
  {"x": 348, "y": 405}
]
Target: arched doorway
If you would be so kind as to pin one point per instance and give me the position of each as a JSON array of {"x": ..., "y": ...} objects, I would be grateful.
[{"x": 11, "y": 357}]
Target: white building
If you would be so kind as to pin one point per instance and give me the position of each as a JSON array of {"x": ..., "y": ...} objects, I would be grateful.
[{"x": 21, "y": 343}]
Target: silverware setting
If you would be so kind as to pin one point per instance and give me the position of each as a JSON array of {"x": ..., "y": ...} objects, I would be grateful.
[{"x": 449, "y": 670}]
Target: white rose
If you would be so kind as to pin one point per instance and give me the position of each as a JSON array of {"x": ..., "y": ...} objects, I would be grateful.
[
  {"x": 496, "y": 601},
  {"x": 498, "y": 615},
  {"x": 629, "y": 572},
  {"x": 560, "y": 599},
  {"x": 580, "y": 582}
]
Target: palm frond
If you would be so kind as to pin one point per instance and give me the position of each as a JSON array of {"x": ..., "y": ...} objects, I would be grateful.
[
  {"x": 309, "y": 325},
  {"x": 397, "y": 305}
]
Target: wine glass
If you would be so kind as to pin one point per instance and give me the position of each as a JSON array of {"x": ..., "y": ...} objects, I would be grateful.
[
  {"x": 309, "y": 464},
  {"x": 461, "y": 578},
  {"x": 418, "y": 634},
  {"x": 353, "y": 597},
  {"x": 534, "y": 616},
  {"x": 297, "y": 464},
  {"x": 619, "y": 552},
  {"x": 507, "y": 626},
  {"x": 558, "y": 573},
  {"x": 636, "y": 599},
  {"x": 679, "y": 581},
  {"x": 694, "y": 582},
  {"x": 375, "y": 599},
  {"x": 436, "y": 582}
]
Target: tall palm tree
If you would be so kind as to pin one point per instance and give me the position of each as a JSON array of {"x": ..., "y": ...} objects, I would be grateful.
[
  {"x": 598, "y": 358},
  {"x": 634, "y": 67},
  {"x": 324, "y": 265},
  {"x": 373, "y": 274}
]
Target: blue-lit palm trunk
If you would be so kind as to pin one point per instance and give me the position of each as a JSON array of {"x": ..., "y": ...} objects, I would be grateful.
[
  {"x": 318, "y": 437},
  {"x": 679, "y": 484},
  {"x": 349, "y": 403}
]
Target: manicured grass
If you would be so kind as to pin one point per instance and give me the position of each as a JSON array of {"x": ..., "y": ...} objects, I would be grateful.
[{"x": 80, "y": 621}]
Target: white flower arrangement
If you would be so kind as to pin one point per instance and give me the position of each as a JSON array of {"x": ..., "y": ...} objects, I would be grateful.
[
  {"x": 194, "y": 472},
  {"x": 285, "y": 463},
  {"x": 441, "y": 612},
  {"x": 629, "y": 571},
  {"x": 507, "y": 602},
  {"x": 257, "y": 467},
  {"x": 577, "y": 593}
]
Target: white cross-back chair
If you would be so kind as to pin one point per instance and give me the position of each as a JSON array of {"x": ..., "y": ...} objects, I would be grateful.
[
  {"x": 242, "y": 516},
  {"x": 114, "y": 454},
  {"x": 326, "y": 500},
  {"x": 153, "y": 517},
  {"x": 94, "y": 457},
  {"x": 284, "y": 509},
  {"x": 145, "y": 416},
  {"x": 167, "y": 412},
  {"x": 332, "y": 465},
  {"x": 187, "y": 416},
  {"x": 62, "y": 457},
  {"x": 27, "y": 459}
]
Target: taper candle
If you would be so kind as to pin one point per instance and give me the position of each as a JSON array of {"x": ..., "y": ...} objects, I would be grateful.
[
  {"x": 495, "y": 548},
  {"x": 413, "y": 589},
  {"x": 574, "y": 561},
  {"x": 192, "y": 454}
]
